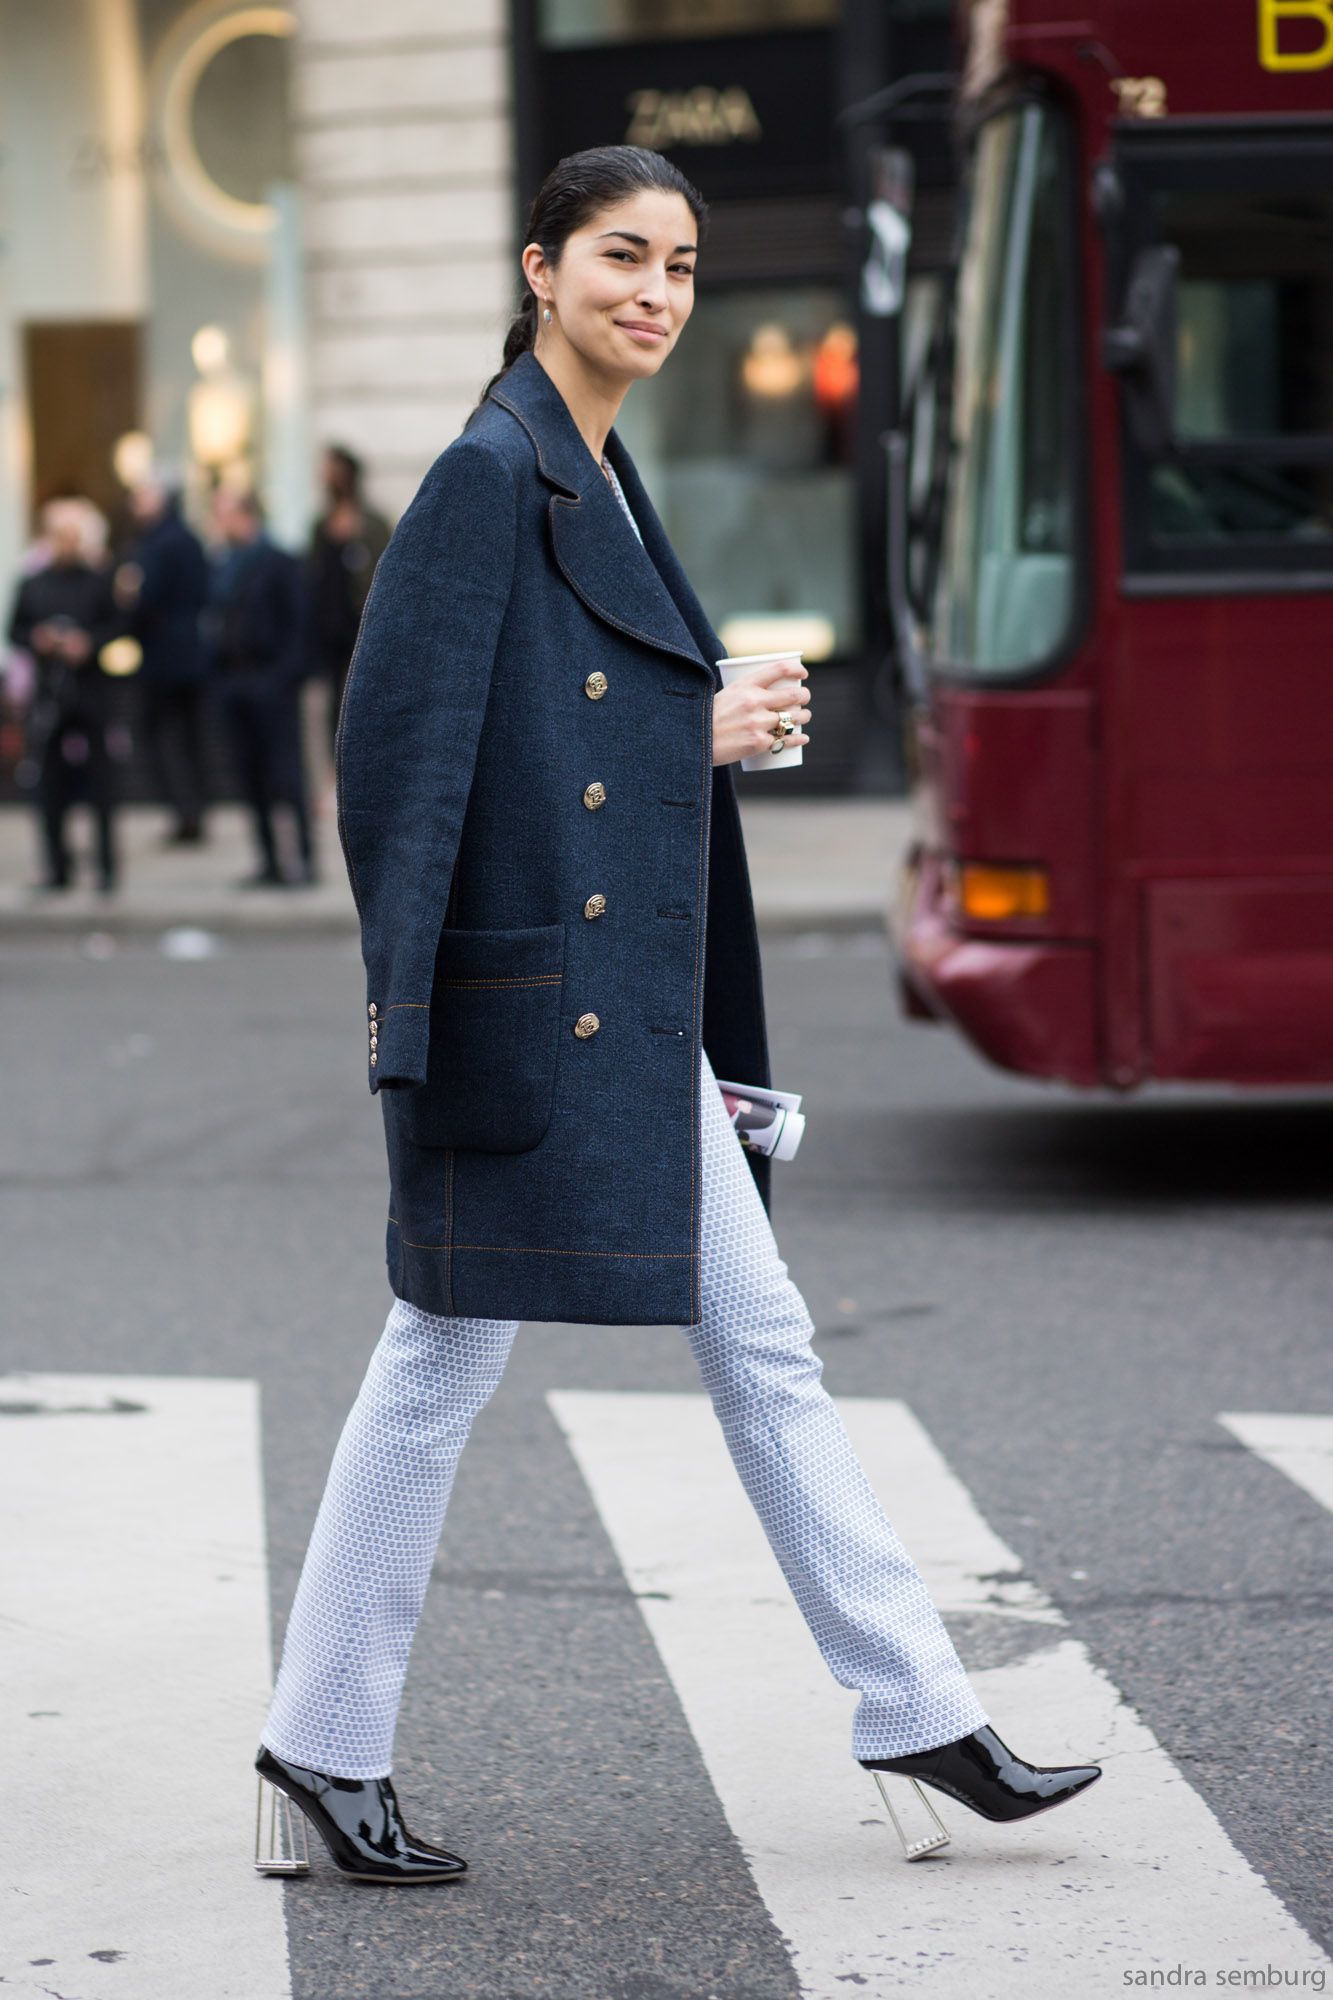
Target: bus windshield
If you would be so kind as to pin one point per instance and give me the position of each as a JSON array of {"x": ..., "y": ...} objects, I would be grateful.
[{"x": 1004, "y": 596}]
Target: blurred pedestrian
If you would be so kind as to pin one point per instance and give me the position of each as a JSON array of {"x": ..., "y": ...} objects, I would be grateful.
[
  {"x": 349, "y": 540},
  {"x": 253, "y": 628},
  {"x": 527, "y": 796},
  {"x": 163, "y": 588},
  {"x": 63, "y": 616}
]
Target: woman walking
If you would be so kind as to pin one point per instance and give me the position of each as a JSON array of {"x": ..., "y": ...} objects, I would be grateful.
[{"x": 543, "y": 840}]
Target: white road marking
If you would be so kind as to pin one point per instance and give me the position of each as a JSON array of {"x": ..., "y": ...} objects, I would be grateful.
[
  {"x": 1302, "y": 1447},
  {"x": 134, "y": 1675},
  {"x": 1139, "y": 1877}
]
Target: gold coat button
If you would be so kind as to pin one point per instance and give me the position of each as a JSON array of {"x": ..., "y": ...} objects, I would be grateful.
[
  {"x": 374, "y": 1010},
  {"x": 595, "y": 686},
  {"x": 586, "y": 1027},
  {"x": 594, "y": 796},
  {"x": 595, "y": 906},
  {"x": 373, "y": 1059}
]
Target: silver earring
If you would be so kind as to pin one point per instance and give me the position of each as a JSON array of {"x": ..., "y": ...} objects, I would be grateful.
[{"x": 546, "y": 315}]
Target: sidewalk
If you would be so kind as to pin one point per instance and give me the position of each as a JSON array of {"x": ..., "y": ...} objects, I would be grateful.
[
  {"x": 816, "y": 864},
  {"x": 825, "y": 864},
  {"x": 165, "y": 888}
]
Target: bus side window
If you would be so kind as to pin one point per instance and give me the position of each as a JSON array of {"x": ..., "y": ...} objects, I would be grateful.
[
  {"x": 1005, "y": 595},
  {"x": 1246, "y": 476}
]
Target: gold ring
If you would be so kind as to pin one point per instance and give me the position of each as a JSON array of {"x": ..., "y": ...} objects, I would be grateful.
[{"x": 783, "y": 727}]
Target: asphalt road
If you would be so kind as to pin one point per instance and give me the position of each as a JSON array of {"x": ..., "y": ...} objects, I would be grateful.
[{"x": 1067, "y": 1293}]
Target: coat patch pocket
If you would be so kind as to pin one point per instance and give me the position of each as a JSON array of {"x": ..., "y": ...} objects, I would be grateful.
[{"x": 494, "y": 1042}]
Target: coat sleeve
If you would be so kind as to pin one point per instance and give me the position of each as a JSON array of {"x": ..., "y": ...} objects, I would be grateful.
[{"x": 411, "y": 721}]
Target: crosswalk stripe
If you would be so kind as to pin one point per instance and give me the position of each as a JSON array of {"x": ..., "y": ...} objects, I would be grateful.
[
  {"x": 1302, "y": 1447},
  {"x": 134, "y": 1668},
  {"x": 1138, "y": 1878}
]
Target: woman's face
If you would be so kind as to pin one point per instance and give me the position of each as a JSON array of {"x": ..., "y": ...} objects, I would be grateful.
[{"x": 624, "y": 285}]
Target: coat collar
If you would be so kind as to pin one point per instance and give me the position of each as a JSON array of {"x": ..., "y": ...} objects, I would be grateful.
[{"x": 638, "y": 589}]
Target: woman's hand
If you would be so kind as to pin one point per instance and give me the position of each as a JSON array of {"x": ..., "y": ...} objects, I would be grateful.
[{"x": 745, "y": 712}]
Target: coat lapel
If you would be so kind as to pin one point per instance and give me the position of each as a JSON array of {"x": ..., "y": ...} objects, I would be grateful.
[
  {"x": 664, "y": 558},
  {"x": 635, "y": 588}
]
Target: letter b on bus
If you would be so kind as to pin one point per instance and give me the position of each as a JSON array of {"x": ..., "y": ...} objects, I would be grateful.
[{"x": 1272, "y": 13}]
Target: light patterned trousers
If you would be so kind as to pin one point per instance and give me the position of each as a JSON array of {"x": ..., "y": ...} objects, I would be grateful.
[{"x": 375, "y": 1538}]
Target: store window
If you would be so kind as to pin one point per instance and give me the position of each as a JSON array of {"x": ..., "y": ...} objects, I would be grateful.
[
  {"x": 746, "y": 444},
  {"x": 567, "y": 24}
]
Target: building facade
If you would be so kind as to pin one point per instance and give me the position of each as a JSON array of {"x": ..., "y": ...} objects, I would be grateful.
[
  {"x": 151, "y": 280},
  {"x": 403, "y": 132},
  {"x": 422, "y": 131},
  {"x": 246, "y": 230}
]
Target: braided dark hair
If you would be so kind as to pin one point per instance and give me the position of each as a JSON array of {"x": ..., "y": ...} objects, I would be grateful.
[{"x": 576, "y": 191}]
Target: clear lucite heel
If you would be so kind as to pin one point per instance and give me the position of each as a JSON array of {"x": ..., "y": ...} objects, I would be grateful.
[
  {"x": 281, "y": 1847},
  {"x": 914, "y": 1850}
]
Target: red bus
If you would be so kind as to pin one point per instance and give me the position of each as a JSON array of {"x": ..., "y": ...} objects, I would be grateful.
[{"x": 1112, "y": 551}]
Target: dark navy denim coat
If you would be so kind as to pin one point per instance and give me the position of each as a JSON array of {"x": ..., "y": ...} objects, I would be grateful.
[{"x": 554, "y": 901}]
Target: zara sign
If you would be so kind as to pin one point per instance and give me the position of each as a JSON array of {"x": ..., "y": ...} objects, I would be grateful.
[
  {"x": 699, "y": 117},
  {"x": 747, "y": 115}
]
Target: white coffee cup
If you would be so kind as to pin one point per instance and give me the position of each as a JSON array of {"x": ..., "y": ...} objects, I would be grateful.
[{"x": 741, "y": 669}]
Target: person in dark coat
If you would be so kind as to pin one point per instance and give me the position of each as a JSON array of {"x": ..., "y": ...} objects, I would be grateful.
[
  {"x": 253, "y": 627},
  {"x": 63, "y": 616},
  {"x": 163, "y": 587},
  {"x": 349, "y": 539},
  {"x": 540, "y": 825}
]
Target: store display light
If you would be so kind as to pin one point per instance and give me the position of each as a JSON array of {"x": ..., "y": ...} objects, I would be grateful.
[
  {"x": 772, "y": 368},
  {"x": 808, "y": 633},
  {"x": 221, "y": 405},
  {"x": 837, "y": 369},
  {"x": 210, "y": 349},
  {"x": 132, "y": 459}
]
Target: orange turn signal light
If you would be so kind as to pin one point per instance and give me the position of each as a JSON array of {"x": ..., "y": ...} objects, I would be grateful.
[{"x": 998, "y": 894}]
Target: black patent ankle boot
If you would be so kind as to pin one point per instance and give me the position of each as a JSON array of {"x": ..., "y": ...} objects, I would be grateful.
[
  {"x": 360, "y": 1823},
  {"x": 983, "y": 1774}
]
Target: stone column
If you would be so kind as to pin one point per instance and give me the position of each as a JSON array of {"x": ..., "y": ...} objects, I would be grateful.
[{"x": 402, "y": 118}]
